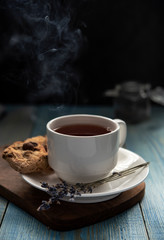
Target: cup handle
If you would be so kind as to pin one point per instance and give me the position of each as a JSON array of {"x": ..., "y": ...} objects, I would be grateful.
[{"x": 123, "y": 131}]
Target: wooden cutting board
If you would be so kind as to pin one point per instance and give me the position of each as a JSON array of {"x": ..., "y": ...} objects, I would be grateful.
[{"x": 67, "y": 215}]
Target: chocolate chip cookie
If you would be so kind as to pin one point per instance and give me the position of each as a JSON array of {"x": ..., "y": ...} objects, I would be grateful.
[{"x": 28, "y": 156}]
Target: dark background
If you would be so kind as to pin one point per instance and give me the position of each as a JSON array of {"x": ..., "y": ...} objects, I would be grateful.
[{"x": 70, "y": 52}]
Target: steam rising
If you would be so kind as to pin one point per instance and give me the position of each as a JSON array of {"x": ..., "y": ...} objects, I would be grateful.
[{"x": 43, "y": 46}]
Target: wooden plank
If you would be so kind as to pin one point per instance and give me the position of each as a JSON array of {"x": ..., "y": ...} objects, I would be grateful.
[
  {"x": 149, "y": 142},
  {"x": 15, "y": 125},
  {"x": 3, "y": 205},
  {"x": 119, "y": 227},
  {"x": 66, "y": 216},
  {"x": 23, "y": 227}
]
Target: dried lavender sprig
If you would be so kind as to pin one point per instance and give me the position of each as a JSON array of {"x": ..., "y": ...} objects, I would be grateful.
[
  {"x": 64, "y": 189},
  {"x": 61, "y": 190}
]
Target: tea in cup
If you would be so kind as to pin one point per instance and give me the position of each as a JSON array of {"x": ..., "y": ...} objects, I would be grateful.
[{"x": 83, "y": 148}]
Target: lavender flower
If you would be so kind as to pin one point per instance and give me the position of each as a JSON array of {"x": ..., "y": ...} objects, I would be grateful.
[{"x": 61, "y": 190}]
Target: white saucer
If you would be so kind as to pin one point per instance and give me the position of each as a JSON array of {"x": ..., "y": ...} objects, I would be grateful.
[{"x": 106, "y": 191}]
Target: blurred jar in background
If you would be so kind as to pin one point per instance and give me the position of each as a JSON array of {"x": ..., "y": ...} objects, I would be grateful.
[{"x": 132, "y": 103}]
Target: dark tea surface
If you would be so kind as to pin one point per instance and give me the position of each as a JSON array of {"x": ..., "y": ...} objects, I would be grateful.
[{"x": 82, "y": 130}]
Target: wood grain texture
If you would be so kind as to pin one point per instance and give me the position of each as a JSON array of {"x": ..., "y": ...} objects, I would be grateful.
[
  {"x": 15, "y": 125},
  {"x": 3, "y": 206},
  {"x": 143, "y": 221},
  {"x": 66, "y": 216},
  {"x": 127, "y": 225},
  {"x": 149, "y": 143}
]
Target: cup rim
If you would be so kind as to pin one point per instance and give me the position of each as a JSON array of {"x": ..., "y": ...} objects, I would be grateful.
[{"x": 82, "y": 115}]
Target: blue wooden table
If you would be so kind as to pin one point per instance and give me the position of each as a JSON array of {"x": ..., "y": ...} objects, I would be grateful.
[{"x": 143, "y": 221}]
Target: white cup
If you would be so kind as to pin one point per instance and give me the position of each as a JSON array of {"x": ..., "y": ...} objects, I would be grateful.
[{"x": 81, "y": 159}]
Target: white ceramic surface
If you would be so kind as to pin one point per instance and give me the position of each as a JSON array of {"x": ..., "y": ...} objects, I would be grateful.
[
  {"x": 84, "y": 158},
  {"x": 106, "y": 191}
]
